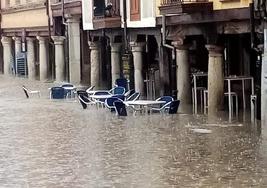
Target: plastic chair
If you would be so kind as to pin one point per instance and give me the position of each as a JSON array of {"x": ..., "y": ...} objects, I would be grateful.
[
  {"x": 133, "y": 97},
  {"x": 109, "y": 103},
  {"x": 101, "y": 101},
  {"x": 83, "y": 98},
  {"x": 68, "y": 92},
  {"x": 122, "y": 82},
  {"x": 90, "y": 89},
  {"x": 129, "y": 93},
  {"x": 67, "y": 85},
  {"x": 164, "y": 98},
  {"x": 57, "y": 93},
  {"x": 121, "y": 97},
  {"x": 29, "y": 92},
  {"x": 120, "y": 108},
  {"x": 233, "y": 96},
  {"x": 117, "y": 91},
  {"x": 173, "y": 108}
]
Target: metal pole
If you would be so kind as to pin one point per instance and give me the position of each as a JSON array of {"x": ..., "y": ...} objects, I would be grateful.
[
  {"x": 49, "y": 38},
  {"x": 264, "y": 76},
  {"x": 125, "y": 25}
]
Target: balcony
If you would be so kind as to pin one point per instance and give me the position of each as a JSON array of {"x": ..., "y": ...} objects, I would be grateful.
[
  {"x": 184, "y": 6},
  {"x": 106, "y": 14}
]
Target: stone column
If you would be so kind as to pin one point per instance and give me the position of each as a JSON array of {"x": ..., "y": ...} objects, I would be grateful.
[
  {"x": 17, "y": 50},
  {"x": 17, "y": 44},
  {"x": 74, "y": 49},
  {"x": 264, "y": 81},
  {"x": 215, "y": 79},
  {"x": 8, "y": 59},
  {"x": 115, "y": 61},
  {"x": 59, "y": 58},
  {"x": 31, "y": 58},
  {"x": 43, "y": 67},
  {"x": 137, "y": 50},
  {"x": 95, "y": 63},
  {"x": 182, "y": 76}
]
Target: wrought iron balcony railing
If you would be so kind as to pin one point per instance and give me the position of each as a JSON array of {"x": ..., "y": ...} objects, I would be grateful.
[
  {"x": 177, "y": 2},
  {"x": 184, "y": 6},
  {"x": 110, "y": 8}
]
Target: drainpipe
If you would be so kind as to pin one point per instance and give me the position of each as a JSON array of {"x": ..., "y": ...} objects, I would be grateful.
[
  {"x": 164, "y": 37},
  {"x": 1, "y": 61},
  {"x": 49, "y": 37},
  {"x": 63, "y": 12},
  {"x": 173, "y": 64},
  {"x": 66, "y": 46},
  {"x": 252, "y": 26},
  {"x": 125, "y": 26}
]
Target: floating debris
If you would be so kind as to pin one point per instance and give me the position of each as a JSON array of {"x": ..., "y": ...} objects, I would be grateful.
[
  {"x": 224, "y": 125},
  {"x": 202, "y": 131}
]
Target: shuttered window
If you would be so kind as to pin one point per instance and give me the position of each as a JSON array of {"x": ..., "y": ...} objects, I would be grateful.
[{"x": 135, "y": 10}]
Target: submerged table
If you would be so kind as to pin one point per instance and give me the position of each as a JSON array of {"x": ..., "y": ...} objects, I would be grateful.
[
  {"x": 238, "y": 78},
  {"x": 99, "y": 97},
  {"x": 70, "y": 90},
  {"x": 144, "y": 103},
  {"x": 92, "y": 92}
]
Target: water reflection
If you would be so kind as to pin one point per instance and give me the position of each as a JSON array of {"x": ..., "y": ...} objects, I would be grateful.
[{"x": 46, "y": 143}]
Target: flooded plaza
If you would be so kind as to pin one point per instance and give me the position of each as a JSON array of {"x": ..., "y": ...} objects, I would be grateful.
[{"x": 48, "y": 143}]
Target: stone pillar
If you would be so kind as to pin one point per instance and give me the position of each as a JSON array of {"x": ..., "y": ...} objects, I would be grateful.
[
  {"x": 264, "y": 82},
  {"x": 137, "y": 50},
  {"x": 31, "y": 58},
  {"x": 17, "y": 44},
  {"x": 74, "y": 49},
  {"x": 17, "y": 50},
  {"x": 215, "y": 79},
  {"x": 8, "y": 59},
  {"x": 95, "y": 63},
  {"x": 115, "y": 61},
  {"x": 59, "y": 58},
  {"x": 182, "y": 76},
  {"x": 43, "y": 67}
]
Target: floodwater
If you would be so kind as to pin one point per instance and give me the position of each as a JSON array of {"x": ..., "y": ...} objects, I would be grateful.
[{"x": 47, "y": 143}]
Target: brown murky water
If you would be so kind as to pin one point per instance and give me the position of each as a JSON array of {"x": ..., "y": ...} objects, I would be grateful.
[{"x": 45, "y": 143}]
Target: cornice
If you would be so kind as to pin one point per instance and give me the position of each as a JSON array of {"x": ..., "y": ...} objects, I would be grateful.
[{"x": 22, "y": 8}]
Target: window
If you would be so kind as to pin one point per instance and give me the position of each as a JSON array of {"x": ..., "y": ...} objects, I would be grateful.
[
  {"x": 17, "y": 2},
  {"x": 7, "y": 3},
  {"x": 135, "y": 10},
  {"x": 99, "y": 7}
]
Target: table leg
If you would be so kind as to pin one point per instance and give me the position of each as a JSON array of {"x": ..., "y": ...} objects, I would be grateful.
[
  {"x": 195, "y": 94},
  {"x": 229, "y": 100},
  {"x": 252, "y": 86},
  {"x": 146, "y": 109},
  {"x": 243, "y": 93}
]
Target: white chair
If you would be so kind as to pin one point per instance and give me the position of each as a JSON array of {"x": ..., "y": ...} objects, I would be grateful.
[
  {"x": 205, "y": 101},
  {"x": 29, "y": 92},
  {"x": 233, "y": 96},
  {"x": 253, "y": 108},
  {"x": 199, "y": 90},
  {"x": 90, "y": 89}
]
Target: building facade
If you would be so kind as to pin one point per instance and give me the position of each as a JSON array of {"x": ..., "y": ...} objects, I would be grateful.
[
  {"x": 104, "y": 22},
  {"x": 25, "y": 38},
  {"x": 157, "y": 44},
  {"x": 169, "y": 40},
  {"x": 217, "y": 37}
]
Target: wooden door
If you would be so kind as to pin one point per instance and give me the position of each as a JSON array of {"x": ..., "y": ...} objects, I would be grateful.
[{"x": 135, "y": 10}]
